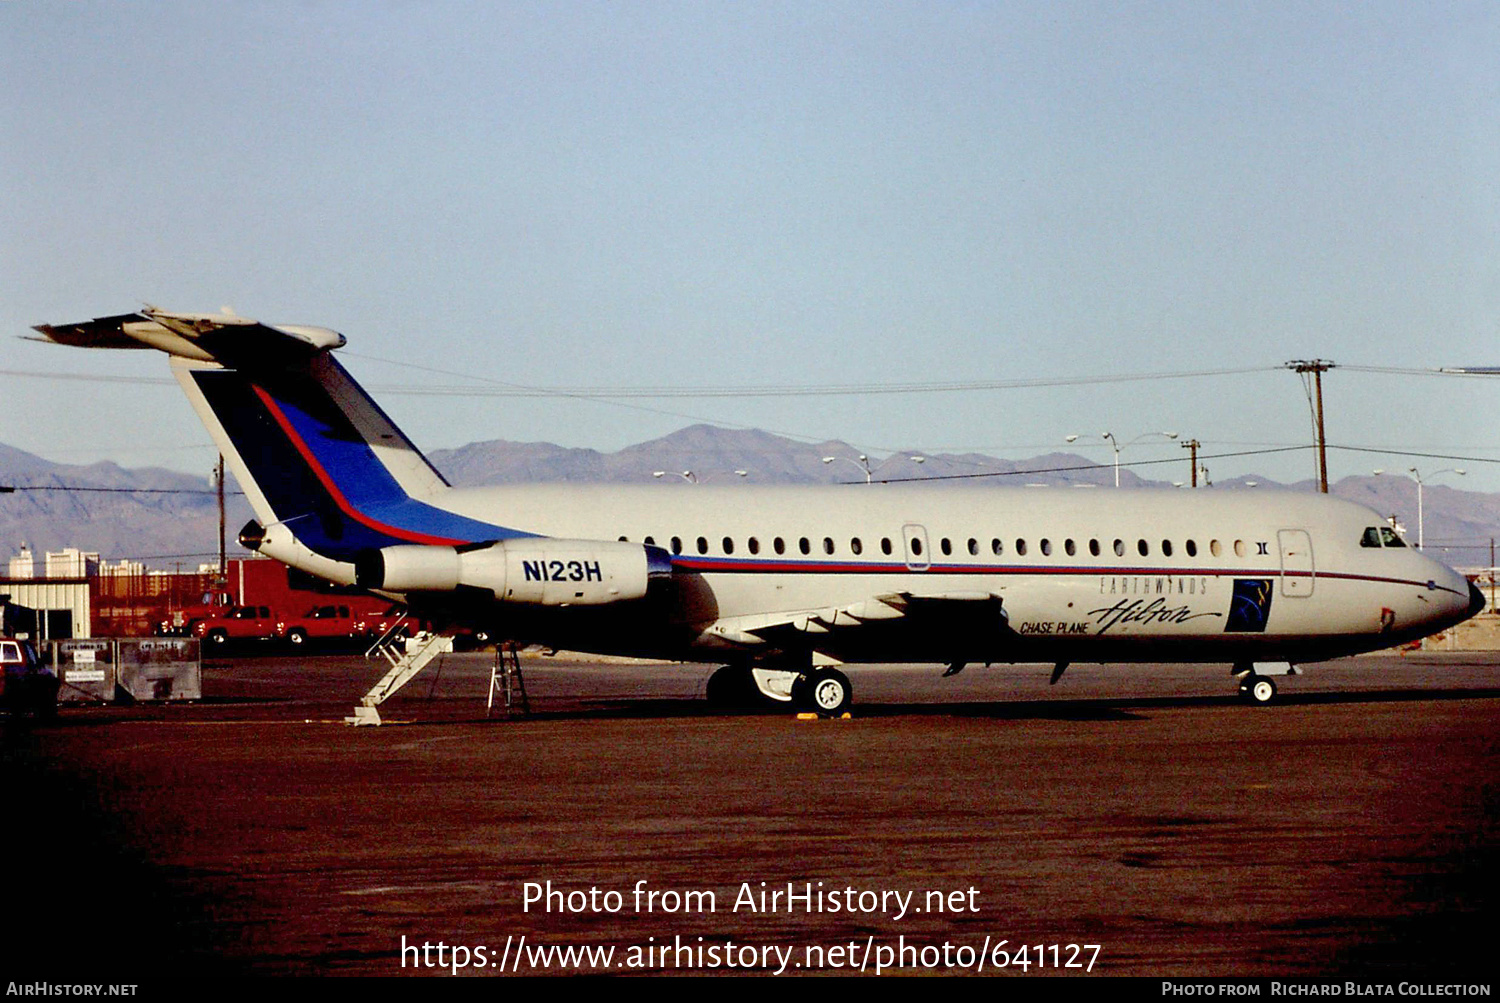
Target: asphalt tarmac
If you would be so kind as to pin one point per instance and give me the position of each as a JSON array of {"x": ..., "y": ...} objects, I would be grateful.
[{"x": 1349, "y": 830}]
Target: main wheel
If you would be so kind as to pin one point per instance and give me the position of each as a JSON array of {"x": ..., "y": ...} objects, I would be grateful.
[
  {"x": 731, "y": 686},
  {"x": 296, "y": 637},
  {"x": 1259, "y": 690},
  {"x": 826, "y": 692},
  {"x": 217, "y": 638}
]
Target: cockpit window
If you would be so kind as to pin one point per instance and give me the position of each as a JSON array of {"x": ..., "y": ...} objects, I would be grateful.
[
  {"x": 1389, "y": 538},
  {"x": 1371, "y": 537}
]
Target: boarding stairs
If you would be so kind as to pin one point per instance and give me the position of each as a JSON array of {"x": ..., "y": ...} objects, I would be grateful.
[
  {"x": 406, "y": 656},
  {"x": 507, "y": 680}
]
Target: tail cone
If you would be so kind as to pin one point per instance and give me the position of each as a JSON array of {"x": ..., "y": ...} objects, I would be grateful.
[{"x": 252, "y": 535}]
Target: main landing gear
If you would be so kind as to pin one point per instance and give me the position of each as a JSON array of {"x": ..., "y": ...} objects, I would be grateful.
[
  {"x": 823, "y": 691},
  {"x": 732, "y": 688}
]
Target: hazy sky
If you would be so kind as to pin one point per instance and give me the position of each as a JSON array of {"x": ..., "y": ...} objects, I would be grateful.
[{"x": 649, "y": 194}]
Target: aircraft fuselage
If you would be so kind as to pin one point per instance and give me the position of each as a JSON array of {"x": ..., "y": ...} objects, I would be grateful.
[{"x": 1076, "y": 575}]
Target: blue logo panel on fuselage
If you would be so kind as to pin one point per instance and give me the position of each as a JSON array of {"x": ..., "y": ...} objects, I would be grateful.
[{"x": 1249, "y": 607}]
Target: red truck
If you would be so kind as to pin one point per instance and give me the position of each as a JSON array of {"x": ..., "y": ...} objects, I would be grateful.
[
  {"x": 264, "y": 600},
  {"x": 179, "y": 622},
  {"x": 234, "y": 623},
  {"x": 366, "y": 619},
  {"x": 255, "y": 582},
  {"x": 361, "y": 619}
]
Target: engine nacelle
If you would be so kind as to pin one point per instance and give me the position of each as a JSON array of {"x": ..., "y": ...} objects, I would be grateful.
[{"x": 535, "y": 570}]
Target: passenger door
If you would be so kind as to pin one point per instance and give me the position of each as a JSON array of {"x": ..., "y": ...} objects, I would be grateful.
[{"x": 1298, "y": 573}]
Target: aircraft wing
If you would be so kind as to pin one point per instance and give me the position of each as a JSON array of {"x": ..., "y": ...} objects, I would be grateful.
[{"x": 805, "y": 628}]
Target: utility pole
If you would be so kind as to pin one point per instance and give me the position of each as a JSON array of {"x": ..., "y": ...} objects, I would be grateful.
[
  {"x": 219, "y": 480},
  {"x": 1193, "y": 445},
  {"x": 1317, "y": 367}
]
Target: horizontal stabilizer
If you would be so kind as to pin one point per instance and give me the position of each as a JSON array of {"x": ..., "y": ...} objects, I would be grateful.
[
  {"x": 224, "y": 338},
  {"x": 328, "y": 473},
  {"x": 105, "y": 332}
]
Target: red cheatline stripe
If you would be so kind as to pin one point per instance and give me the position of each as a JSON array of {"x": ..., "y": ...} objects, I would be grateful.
[
  {"x": 333, "y": 489},
  {"x": 808, "y": 567}
]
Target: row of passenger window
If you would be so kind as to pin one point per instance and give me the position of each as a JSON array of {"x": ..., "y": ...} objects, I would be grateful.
[{"x": 856, "y": 547}]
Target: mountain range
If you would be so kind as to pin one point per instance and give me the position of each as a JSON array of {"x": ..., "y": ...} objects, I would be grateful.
[{"x": 169, "y": 519}]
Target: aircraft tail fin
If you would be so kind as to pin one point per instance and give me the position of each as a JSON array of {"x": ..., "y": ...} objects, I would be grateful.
[{"x": 311, "y": 449}]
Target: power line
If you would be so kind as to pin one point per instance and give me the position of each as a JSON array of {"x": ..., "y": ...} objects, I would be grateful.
[
  {"x": 157, "y": 557},
  {"x": 9, "y": 488},
  {"x": 1311, "y": 372},
  {"x": 1151, "y": 463},
  {"x": 585, "y": 397},
  {"x": 1425, "y": 456},
  {"x": 505, "y": 389},
  {"x": 1085, "y": 466},
  {"x": 822, "y": 390},
  {"x": 161, "y": 381},
  {"x": 1461, "y": 372},
  {"x": 516, "y": 390}
]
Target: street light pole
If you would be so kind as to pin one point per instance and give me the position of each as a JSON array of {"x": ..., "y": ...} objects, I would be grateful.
[
  {"x": 1447, "y": 470},
  {"x": 863, "y": 463},
  {"x": 1115, "y": 443},
  {"x": 1421, "y": 525},
  {"x": 1117, "y": 446}
]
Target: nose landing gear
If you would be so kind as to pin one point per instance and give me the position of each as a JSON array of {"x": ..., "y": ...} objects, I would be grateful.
[
  {"x": 1256, "y": 686},
  {"x": 1258, "y": 690}
]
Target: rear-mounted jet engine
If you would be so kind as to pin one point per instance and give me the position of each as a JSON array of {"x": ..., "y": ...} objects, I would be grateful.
[{"x": 533, "y": 570}]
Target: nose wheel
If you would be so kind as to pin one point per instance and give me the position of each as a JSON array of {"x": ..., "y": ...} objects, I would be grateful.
[{"x": 1258, "y": 690}]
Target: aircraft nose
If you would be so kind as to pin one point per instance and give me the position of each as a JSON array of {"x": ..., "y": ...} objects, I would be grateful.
[{"x": 1476, "y": 600}]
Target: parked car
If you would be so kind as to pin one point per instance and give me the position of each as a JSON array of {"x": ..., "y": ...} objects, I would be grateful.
[
  {"x": 321, "y": 623},
  {"x": 237, "y": 623},
  {"x": 27, "y": 685}
]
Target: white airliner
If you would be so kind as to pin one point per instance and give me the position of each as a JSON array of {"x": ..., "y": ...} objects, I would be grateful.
[{"x": 781, "y": 584}]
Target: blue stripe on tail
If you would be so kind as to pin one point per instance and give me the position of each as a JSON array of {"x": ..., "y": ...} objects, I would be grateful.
[{"x": 319, "y": 474}]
